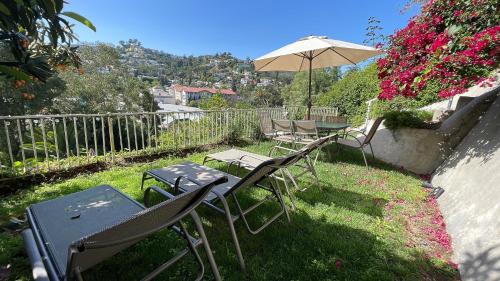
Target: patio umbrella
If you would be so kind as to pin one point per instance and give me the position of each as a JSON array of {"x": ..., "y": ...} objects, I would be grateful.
[{"x": 313, "y": 52}]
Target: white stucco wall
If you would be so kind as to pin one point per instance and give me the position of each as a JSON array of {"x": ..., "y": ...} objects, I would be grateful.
[{"x": 470, "y": 203}]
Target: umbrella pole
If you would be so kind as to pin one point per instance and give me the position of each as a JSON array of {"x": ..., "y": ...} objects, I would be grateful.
[{"x": 309, "y": 101}]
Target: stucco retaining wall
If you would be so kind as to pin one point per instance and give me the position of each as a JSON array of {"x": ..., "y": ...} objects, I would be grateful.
[{"x": 470, "y": 204}]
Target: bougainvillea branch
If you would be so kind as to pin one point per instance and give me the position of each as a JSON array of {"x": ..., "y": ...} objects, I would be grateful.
[{"x": 454, "y": 43}]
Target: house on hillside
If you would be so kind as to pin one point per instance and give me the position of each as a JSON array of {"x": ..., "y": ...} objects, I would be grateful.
[
  {"x": 161, "y": 96},
  {"x": 184, "y": 94}
]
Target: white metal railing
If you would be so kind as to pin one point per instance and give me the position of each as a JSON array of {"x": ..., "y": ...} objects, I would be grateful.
[{"x": 43, "y": 143}]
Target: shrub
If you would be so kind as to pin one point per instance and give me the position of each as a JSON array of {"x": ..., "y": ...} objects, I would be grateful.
[
  {"x": 408, "y": 119},
  {"x": 234, "y": 133},
  {"x": 350, "y": 93},
  {"x": 450, "y": 46}
]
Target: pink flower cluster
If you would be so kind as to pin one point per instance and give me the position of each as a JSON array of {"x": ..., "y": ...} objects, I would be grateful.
[
  {"x": 437, "y": 232},
  {"x": 450, "y": 44}
]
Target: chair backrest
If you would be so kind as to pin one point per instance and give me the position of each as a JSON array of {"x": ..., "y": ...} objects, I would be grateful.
[
  {"x": 266, "y": 169},
  {"x": 305, "y": 128},
  {"x": 315, "y": 117},
  {"x": 265, "y": 123},
  {"x": 96, "y": 247},
  {"x": 335, "y": 119},
  {"x": 283, "y": 126},
  {"x": 373, "y": 130}
]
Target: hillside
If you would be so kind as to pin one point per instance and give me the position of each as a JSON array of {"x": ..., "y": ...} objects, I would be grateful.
[{"x": 220, "y": 70}]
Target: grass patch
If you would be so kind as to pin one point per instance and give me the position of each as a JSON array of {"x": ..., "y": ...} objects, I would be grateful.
[{"x": 356, "y": 227}]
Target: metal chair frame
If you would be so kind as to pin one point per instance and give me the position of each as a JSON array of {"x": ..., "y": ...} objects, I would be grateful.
[{"x": 249, "y": 180}]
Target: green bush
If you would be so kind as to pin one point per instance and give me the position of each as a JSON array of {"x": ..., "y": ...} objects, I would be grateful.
[
  {"x": 417, "y": 119},
  {"x": 234, "y": 133},
  {"x": 351, "y": 93}
]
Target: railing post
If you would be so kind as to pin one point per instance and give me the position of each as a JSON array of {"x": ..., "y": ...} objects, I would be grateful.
[
  {"x": 21, "y": 142},
  {"x": 86, "y": 138},
  {"x": 76, "y": 139},
  {"x": 42, "y": 126},
  {"x": 9, "y": 147},
  {"x": 30, "y": 122},
  {"x": 66, "y": 137},
  {"x": 111, "y": 138},
  {"x": 56, "y": 142}
]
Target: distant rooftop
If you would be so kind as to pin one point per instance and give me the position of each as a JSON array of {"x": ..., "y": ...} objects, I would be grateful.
[
  {"x": 164, "y": 107},
  {"x": 181, "y": 88}
]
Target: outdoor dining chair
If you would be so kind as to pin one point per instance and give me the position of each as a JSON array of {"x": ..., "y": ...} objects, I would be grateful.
[
  {"x": 265, "y": 124},
  {"x": 336, "y": 119},
  {"x": 305, "y": 131},
  {"x": 283, "y": 131},
  {"x": 350, "y": 140},
  {"x": 73, "y": 233},
  {"x": 189, "y": 176},
  {"x": 314, "y": 117}
]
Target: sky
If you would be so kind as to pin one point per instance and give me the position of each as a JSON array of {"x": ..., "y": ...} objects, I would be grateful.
[{"x": 244, "y": 28}]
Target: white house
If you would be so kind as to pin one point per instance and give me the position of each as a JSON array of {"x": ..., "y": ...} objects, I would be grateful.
[{"x": 184, "y": 94}]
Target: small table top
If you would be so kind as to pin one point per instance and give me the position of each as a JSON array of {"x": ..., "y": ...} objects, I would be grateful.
[{"x": 323, "y": 125}]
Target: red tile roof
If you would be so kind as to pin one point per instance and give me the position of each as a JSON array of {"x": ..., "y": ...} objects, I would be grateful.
[{"x": 181, "y": 88}]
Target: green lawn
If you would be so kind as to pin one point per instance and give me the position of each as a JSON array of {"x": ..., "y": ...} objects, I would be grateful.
[{"x": 361, "y": 225}]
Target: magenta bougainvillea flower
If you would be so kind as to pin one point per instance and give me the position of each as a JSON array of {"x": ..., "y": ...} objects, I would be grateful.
[{"x": 453, "y": 44}]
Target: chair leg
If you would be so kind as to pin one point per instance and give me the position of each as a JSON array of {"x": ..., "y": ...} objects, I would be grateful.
[
  {"x": 364, "y": 157},
  {"x": 292, "y": 179},
  {"x": 279, "y": 196},
  {"x": 192, "y": 249},
  {"x": 290, "y": 195},
  {"x": 373, "y": 154},
  {"x": 230, "y": 221},
  {"x": 143, "y": 179},
  {"x": 311, "y": 168},
  {"x": 273, "y": 148},
  {"x": 208, "y": 251}
]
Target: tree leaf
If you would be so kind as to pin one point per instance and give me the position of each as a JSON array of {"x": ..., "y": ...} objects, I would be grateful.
[
  {"x": 17, "y": 74},
  {"x": 80, "y": 19},
  {"x": 4, "y": 9},
  {"x": 454, "y": 29}
]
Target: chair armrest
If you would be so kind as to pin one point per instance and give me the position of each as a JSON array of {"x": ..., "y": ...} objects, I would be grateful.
[
  {"x": 178, "y": 181},
  {"x": 240, "y": 163},
  {"x": 285, "y": 148},
  {"x": 356, "y": 131},
  {"x": 354, "y": 137},
  {"x": 159, "y": 190}
]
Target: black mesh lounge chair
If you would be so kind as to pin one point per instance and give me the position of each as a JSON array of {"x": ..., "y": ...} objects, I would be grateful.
[
  {"x": 73, "y": 233},
  {"x": 350, "y": 140},
  {"x": 195, "y": 175}
]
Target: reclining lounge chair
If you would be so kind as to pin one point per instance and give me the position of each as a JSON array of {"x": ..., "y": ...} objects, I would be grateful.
[
  {"x": 73, "y": 233},
  {"x": 248, "y": 160},
  {"x": 195, "y": 175}
]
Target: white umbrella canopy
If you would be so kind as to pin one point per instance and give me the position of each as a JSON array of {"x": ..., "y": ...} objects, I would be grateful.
[
  {"x": 313, "y": 52},
  {"x": 323, "y": 52}
]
